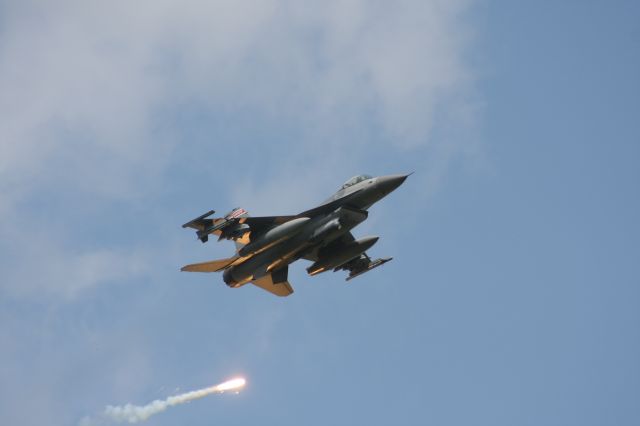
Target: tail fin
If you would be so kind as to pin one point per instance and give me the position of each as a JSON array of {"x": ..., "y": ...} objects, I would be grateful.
[
  {"x": 276, "y": 282},
  {"x": 236, "y": 213}
]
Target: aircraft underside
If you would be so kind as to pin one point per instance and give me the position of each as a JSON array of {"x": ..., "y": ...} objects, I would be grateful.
[{"x": 266, "y": 246}]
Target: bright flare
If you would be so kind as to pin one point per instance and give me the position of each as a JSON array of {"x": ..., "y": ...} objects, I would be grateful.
[{"x": 233, "y": 384}]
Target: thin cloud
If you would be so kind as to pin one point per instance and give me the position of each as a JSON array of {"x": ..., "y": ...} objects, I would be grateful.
[
  {"x": 86, "y": 89},
  {"x": 90, "y": 91}
]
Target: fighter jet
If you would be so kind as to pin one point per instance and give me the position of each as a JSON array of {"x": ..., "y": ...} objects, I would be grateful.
[{"x": 265, "y": 246}]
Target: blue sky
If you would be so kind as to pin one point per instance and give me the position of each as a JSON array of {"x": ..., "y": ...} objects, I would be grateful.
[{"x": 513, "y": 294}]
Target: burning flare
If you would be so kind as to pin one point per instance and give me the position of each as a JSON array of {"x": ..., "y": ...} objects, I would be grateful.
[
  {"x": 233, "y": 384},
  {"x": 136, "y": 413}
]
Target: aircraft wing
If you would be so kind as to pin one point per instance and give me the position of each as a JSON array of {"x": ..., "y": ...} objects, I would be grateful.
[
  {"x": 234, "y": 226},
  {"x": 275, "y": 282}
]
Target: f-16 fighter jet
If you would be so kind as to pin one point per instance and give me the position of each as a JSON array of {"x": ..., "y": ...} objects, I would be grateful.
[{"x": 265, "y": 246}]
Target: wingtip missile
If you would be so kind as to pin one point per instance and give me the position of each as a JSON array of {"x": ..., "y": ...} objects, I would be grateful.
[{"x": 198, "y": 219}]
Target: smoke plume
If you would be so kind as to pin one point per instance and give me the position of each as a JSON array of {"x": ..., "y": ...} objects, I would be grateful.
[{"x": 138, "y": 413}]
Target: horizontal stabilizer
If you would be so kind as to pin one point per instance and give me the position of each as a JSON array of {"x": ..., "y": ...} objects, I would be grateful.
[{"x": 211, "y": 266}]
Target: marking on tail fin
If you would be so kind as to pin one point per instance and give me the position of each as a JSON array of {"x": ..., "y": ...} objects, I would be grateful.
[
  {"x": 238, "y": 212},
  {"x": 244, "y": 240}
]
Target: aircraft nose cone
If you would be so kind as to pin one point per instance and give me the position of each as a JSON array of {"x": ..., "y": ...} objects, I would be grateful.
[{"x": 388, "y": 183}]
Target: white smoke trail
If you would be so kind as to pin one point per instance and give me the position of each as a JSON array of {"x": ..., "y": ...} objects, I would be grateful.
[{"x": 139, "y": 413}]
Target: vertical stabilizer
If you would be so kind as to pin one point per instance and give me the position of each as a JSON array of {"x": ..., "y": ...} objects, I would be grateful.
[
  {"x": 238, "y": 212},
  {"x": 275, "y": 283}
]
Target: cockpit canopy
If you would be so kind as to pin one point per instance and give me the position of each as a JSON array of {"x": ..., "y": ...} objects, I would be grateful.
[{"x": 354, "y": 180}]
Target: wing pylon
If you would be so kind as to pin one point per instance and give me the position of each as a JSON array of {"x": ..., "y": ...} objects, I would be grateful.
[{"x": 362, "y": 264}]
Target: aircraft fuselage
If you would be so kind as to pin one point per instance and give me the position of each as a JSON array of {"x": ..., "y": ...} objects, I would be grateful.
[{"x": 344, "y": 210}]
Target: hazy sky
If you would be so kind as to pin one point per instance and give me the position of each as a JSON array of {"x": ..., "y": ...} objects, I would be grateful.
[{"x": 514, "y": 294}]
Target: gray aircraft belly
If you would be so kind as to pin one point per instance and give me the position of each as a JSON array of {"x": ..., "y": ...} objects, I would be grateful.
[
  {"x": 257, "y": 265},
  {"x": 316, "y": 232}
]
